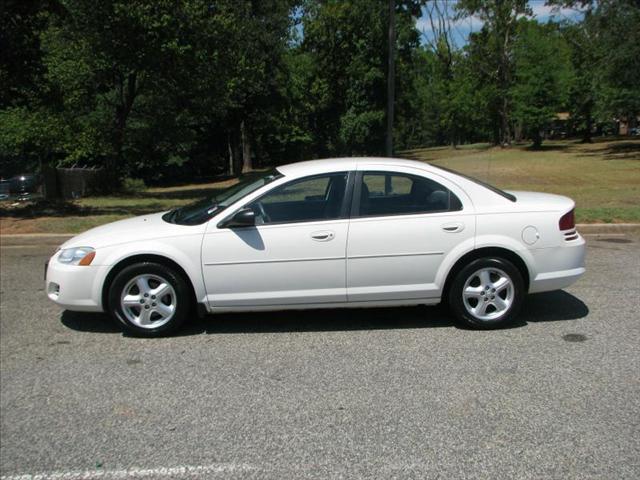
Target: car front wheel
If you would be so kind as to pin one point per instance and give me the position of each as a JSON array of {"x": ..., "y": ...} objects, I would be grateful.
[
  {"x": 149, "y": 299},
  {"x": 487, "y": 293}
]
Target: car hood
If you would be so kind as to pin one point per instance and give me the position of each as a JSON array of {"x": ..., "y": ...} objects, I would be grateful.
[
  {"x": 542, "y": 201},
  {"x": 144, "y": 227}
]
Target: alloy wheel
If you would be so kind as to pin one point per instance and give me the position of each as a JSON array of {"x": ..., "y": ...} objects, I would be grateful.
[
  {"x": 148, "y": 301},
  {"x": 488, "y": 294}
]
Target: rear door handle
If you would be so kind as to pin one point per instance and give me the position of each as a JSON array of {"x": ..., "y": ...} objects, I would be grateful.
[
  {"x": 323, "y": 236},
  {"x": 453, "y": 227}
]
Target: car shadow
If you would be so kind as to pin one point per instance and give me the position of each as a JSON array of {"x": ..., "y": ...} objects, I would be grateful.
[
  {"x": 541, "y": 307},
  {"x": 89, "y": 322},
  {"x": 552, "y": 307}
]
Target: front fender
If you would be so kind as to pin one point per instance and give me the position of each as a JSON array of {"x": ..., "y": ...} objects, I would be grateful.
[{"x": 187, "y": 254}]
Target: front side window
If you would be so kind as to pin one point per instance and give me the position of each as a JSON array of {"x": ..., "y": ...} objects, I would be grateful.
[
  {"x": 309, "y": 199},
  {"x": 384, "y": 193},
  {"x": 201, "y": 211}
]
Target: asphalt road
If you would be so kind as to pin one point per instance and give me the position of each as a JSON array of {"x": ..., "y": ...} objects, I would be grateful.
[{"x": 381, "y": 393}]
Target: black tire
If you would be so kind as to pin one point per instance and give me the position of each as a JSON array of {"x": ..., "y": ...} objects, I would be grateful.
[
  {"x": 461, "y": 310},
  {"x": 182, "y": 299}
]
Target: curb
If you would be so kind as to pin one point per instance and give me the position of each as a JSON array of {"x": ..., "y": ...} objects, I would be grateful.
[
  {"x": 36, "y": 235},
  {"x": 607, "y": 228},
  {"x": 34, "y": 239}
]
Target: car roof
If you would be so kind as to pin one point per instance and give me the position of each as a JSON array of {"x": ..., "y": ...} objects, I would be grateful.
[
  {"x": 482, "y": 195},
  {"x": 348, "y": 163}
]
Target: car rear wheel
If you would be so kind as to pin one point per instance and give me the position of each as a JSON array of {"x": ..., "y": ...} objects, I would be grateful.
[
  {"x": 487, "y": 293},
  {"x": 149, "y": 299}
]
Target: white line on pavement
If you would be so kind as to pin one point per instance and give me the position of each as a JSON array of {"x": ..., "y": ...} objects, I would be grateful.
[
  {"x": 604, "y": 234},
  {"x": 183, "y": 471}
]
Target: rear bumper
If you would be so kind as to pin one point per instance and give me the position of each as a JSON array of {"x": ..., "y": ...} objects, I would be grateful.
[
  {"x": 74, "y": 287},
  {"x": 558, "y": 267}
]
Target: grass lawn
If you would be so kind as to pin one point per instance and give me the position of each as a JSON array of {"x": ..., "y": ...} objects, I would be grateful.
[{"x": 603, "y": 178}]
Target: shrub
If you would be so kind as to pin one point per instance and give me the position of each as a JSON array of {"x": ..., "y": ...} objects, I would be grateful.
[{"x": 133, "y": 185}]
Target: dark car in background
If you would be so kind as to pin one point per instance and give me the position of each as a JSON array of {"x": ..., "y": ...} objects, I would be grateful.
[
  {"x": 24, "y": 185},
  {"x": 5, "y": 189}
]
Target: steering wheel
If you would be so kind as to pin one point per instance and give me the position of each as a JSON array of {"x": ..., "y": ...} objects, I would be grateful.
[{"x": 262, "y": 212}]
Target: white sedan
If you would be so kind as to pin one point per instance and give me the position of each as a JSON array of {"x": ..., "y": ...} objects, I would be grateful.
[{"x": 349, "y": 232}]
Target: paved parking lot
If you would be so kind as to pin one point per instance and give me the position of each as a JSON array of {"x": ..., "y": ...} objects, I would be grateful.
[{"x": 382, "y": 393}]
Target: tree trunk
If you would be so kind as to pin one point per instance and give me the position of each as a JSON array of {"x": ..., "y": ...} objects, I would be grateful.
[
  {"x": 230, "y": 170},
  {"x": 505, "y": 130},
  {"x": 496, "y": 131},
  {"x": 504, "y": 28},
  {"x": 391, "y": 77},
  {"x": 127, "y": 92},
  {"x": 236, "y": 146},
  {"x": 50, "y": 182},
  {"x": 455, "y": 137},
  {"x": 537, "y": 139},
  {"x": 517, "y": 133},
  {"x": 247, "y": 165},
  {"x": 586, "y": 135}
]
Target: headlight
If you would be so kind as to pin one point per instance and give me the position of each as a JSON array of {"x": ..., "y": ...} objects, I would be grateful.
[{"x": 77, "y": 256}]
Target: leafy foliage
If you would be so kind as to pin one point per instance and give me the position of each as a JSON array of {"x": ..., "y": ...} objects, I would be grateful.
[
  {"x": 543, "y": 72},
  {"x": 159, "y": 89}
]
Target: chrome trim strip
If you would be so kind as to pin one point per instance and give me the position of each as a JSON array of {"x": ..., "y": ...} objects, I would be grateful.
[
  {"x": 385, "y": 255},
  {"x": 282, "y": 260},
  {"x": 352, "y": 257}
]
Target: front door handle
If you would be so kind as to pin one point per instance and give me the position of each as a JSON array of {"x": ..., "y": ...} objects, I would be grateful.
[
  {"x": 453, "y": 227},
  {"x": 323, "y": 236}
]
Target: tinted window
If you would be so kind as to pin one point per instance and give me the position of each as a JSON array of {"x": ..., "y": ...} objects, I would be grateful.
[
  {"x": 199, "y": 212},
  {"x": 398, "y": 194},
  {"x": 507, "y": 195},
  {"x": 313, "y": 198}
]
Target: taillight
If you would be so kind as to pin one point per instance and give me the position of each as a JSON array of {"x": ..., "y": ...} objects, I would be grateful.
[{"x": 568, "y": 221}]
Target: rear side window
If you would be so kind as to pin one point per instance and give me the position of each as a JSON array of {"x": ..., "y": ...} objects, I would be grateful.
[
  {"x": 384, "y": 193},
  {"x": 502, "y": 193}
]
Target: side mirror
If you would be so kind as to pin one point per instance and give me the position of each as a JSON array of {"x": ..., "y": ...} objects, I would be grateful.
[{"x": 245, "y": 217}]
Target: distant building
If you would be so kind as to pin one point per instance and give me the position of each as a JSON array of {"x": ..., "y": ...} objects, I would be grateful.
[
  {"x": 560, "y": 126},
  {"x": 627, "y": 125}
]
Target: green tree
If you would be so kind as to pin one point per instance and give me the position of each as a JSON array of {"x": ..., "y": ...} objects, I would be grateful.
[
  {"x": 28, "y": 133},
  {"x": 146, "y": 84},
  {"x": 21, "y": 69},
  {"x": 106, "y": 60},
  {"x": 347, "y": 42},
  {"x": 583, "y": 88},
  {"x": 542, "y": 75},
  {"x": 606, "y": 57},
  {"x": 500, "y": 20},
  {"x": 617, "y": 24}
]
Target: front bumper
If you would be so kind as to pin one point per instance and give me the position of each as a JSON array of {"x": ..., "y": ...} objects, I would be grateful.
[{"x": 73, "y": 287}]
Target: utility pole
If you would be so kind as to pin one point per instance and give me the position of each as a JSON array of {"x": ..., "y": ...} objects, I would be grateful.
[{"x": 391, "y": 73}]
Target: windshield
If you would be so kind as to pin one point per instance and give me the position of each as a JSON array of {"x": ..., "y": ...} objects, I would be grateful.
[
  {"x": 199, "y": 212},
  {"x": 502, "y": 193}
]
